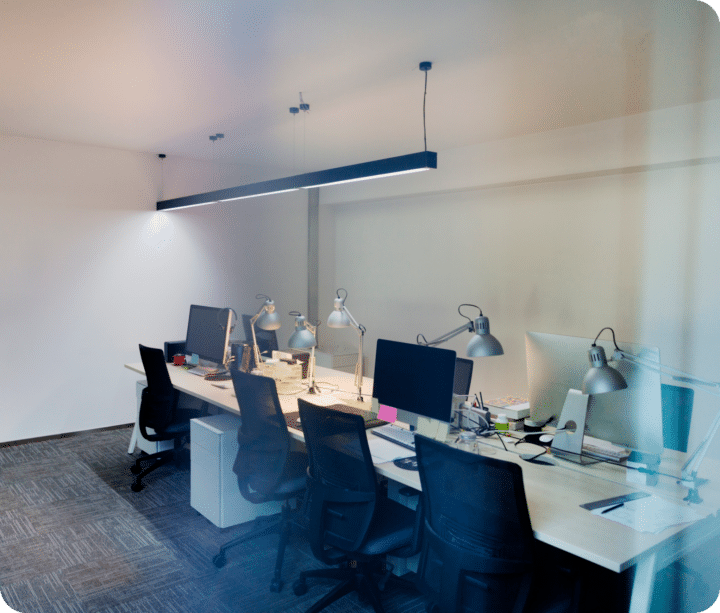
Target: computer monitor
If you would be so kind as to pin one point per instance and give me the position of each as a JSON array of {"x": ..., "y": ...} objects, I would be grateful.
[
  {"x": 208, "y": 332},
  {"x": 630, "y": 418},
  {"x": 463, "y": 376},
  {"x": 266, "y": 339},
  {"x": 415, "y": 379}
]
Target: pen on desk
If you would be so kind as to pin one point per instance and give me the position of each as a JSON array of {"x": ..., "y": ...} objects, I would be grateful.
[{"x": 617, "y": 506}]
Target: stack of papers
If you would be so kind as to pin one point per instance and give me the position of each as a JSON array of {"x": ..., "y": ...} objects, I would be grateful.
[{"x": 650, "y": 514}]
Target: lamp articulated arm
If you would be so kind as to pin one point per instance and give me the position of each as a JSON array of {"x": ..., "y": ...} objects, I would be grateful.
[
  {"x": 256, "y": 349},
  {"x": 342, "y": 318},
  {"x": 690, "y": 468},
  {"x": 272, "y": 322},
  {"x": 482, "y": 344},
  {"x": 468, "y": 327}
]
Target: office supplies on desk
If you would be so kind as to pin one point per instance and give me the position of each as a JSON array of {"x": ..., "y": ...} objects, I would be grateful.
[{"x": 612, "y": 508}]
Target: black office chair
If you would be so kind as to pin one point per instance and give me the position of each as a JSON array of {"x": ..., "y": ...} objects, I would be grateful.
[
  {"x": 159, "y": 412},
  {"x": 677, "y": 407},
  {"x": 478, "y": 551},
  {"x": 349, "y": 518},
  {"x": 265, "y": 467}
]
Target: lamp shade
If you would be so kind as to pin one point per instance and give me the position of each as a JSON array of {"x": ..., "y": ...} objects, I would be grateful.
[
  {"x": 483, "y": 344},
  {"x": 338, "y": 318},
  {"x": 601, "y": 378},
  {"x": 302, "y": 338},
  {"x": 269, "y": 319}
]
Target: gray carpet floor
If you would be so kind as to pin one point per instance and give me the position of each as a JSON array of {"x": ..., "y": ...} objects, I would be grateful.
[{"x": 75, "y": 539}]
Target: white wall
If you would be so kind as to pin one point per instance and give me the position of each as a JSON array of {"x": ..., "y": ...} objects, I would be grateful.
[
  {"x": 608, "y": 224},
  {"x": 90, "y": 270}
]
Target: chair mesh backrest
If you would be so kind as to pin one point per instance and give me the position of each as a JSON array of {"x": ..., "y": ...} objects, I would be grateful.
[
  {"x": 159, "y": 402},
  {"x": 476, "y": 502},
  {"x": 478, "y": 543},
  {"x": 263, "y": 438},
  {"x": 343, "y": 485}
]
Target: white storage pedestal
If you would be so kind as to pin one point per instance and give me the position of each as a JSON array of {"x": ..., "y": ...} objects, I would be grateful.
[{"x": 214, "y": 490}]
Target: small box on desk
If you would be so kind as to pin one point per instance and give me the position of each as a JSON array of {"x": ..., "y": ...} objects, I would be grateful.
[
  {"x": 515, "y": 407},
  {"x": 173, "y": 347}
]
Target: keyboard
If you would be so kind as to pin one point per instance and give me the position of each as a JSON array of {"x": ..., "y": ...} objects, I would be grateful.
[
  {"x": 202, "y": 371},
  {"x": 371, "y": 421},
  {"x": 396, "y": 434}
]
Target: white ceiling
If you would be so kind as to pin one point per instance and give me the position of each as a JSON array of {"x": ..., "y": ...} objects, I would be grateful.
[{"x": 160, "y": 76}]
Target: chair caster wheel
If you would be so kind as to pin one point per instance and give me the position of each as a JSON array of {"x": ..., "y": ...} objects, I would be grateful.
[
  {"x": 219, "y": 560},
  {"x": 135, "y": 469},
  {"x": 300, "y": 588},
  {"x": 136, "y": 487},
  {"x": 275, "y": 585}
]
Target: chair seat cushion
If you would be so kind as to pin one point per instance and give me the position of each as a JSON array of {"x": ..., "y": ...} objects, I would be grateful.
[
  {"x": 294, "y": 476},
  {"x": 181, "y": 423},
  {"x": 392, "y": 528}
]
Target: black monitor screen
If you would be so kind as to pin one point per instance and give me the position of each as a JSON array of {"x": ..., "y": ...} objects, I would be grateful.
[
  {"x": 266, "y": 339},
  {"x": 463, "y": 376},
  {"x": 415, "y": 378},
  {"x": 207, "y": 333}
]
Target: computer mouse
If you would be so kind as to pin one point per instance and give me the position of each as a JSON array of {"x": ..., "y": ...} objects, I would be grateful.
[{"x": 546, "y": 438}]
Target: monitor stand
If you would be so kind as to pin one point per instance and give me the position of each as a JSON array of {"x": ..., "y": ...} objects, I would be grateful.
[{"x": 568, "y": 440}]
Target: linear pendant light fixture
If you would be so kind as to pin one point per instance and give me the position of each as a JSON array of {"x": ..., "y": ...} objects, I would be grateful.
[{"x": 413, "y": 162}]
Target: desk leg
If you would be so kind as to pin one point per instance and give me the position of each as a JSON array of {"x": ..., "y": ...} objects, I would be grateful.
[
  {"x": 133, "y": 439},
  {"x": 643, "y": 585}
]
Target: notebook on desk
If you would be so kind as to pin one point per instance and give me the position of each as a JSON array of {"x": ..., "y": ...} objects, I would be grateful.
[{"x": 371, "y": 420}]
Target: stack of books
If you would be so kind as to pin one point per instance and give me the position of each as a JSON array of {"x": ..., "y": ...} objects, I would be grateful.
[{"x": 516, "y": 408}]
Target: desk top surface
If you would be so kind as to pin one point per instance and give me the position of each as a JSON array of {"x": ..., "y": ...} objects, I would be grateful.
[{"x": 554, "y": 493}]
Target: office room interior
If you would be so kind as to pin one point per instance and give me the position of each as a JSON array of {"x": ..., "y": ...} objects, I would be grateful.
[{"x": 577, "y": 182}]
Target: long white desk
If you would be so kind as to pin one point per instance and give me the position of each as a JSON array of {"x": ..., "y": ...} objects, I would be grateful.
[{"x": 554, "y": 494}]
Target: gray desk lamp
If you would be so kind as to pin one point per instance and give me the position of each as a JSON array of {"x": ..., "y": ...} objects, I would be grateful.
[
  {"x": 305, "y": 337},
  {"x": 603, "y": 378},
  {"x": 482, "y": 344},
  {"x": 342, "y": 318},
  {"x": 266, "y": 319}
]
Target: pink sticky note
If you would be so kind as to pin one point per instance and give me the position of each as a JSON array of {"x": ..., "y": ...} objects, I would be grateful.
[{"x": 387, "y": 413}]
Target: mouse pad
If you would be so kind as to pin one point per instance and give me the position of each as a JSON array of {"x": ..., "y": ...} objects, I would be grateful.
[
  {"x": 535, "y": 439},
  {"x": 407, "y": 463}
]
